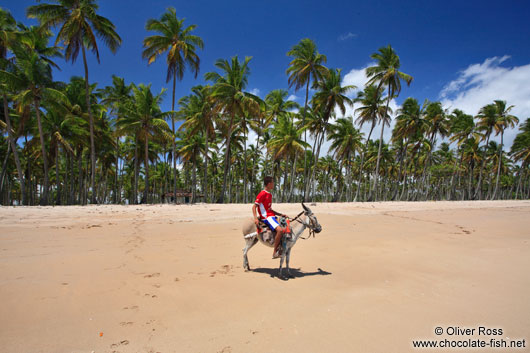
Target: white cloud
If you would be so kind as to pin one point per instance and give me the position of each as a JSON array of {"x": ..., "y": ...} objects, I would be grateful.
[
  {"x": 481, "y": 84},
  {"x": 292, "y": 97},
  {"x": 255, "y": 91},
  {"x": 357, "y": 77},
  {"x": 346, "y": 36}
]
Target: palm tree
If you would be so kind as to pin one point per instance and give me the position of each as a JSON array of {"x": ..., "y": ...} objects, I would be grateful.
[
  {"x": 146, "y": 120},
  {"x": 36, "y": 39},
  {"x": 504, "y": 120},
  {"x": 462, "y": 128},
  {"x": 486, "y": 123},
  {"x": 229, "y": 98},
  {"x": 175, "y": 38},
  {"x": 278, "y": 104},
  {"x": 7, "y": 37},
  {"x": 471, "y": 156},
  {"x": 117, "y": 96},
  {"x": 31, "y": 78},
  {"x": 197, "y": 111},
  {"x": 372, "y": 110},
  {"x": 437, "y": 124},
  {"x": 520, "y": 151},
  {"x": 191, "y": 144},
  {"x": 345, "y": 142},
  {"x": 80, "y": 24},
  {"x": 62, "y": 128},
  {"x": 306, "y": 67},
  {"x": 386, "y": 73},
  {"x": 409, "y": 127},
  {"x": 330, "y": 95},
  {"x": 286, "y": 143}
]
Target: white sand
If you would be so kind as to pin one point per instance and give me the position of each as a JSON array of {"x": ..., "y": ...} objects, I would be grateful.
[{"x": 167, "y": 278}]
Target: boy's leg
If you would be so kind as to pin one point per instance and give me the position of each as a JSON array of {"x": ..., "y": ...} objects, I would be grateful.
[
  {"x": 273, "y": 224},
  {"x": 277, "y": 240}
]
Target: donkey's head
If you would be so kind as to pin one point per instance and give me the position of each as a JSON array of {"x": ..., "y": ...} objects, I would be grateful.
[{"x": 313, "y": 222}]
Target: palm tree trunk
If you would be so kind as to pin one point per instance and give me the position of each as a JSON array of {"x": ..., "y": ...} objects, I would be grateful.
[
  {"x": 194, "y": 178},
  {"x": 362, "y": 162},
  {"x": 293, "y": 176},
  {"x": 85, "y": 183},
  {"x": 520, "y": 177},
  {"x": 44, "y": 198},
  {"x": 91, "y": 122},
  {"x": 494, "y": 196},
  {"x": 173, "y": 141},
  {"x": 4, "y": 168},
  {"x": 79, "y": 176},
  {"x": 227, "y": 159},
  {"x": 136, "y": 172},
  {"x": 285, "y": 181},
  {"x": 376, "y": 175},
  {"x": 312, "y": 177},
  {"x": 205, "y": 183},
  {"x": 348, "y": 178},
  {"x": 478, "y": 191},
  {"x": 57, "y": 184},
  {"x": 254, "y": 174},
  {"x": 15, "y": 152},
  {"x": 306, "y": 172},
  {"x": 245, "y": 167},
  {"x": 146, "y": 165},
  {"x": 71, "y": 196},
  {"x": 117, "y": 197},
  {"x": 427, "y": 161},
  {"x": 308, "y": 181},
  {"x": 470, "y": 181}
]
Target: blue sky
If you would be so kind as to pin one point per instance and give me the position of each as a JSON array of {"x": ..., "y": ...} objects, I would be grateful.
[{"x": 461, "y": 52}]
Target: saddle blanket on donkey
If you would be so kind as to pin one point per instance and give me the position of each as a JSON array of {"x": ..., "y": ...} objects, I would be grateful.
[{"x": 266, "y": 235}]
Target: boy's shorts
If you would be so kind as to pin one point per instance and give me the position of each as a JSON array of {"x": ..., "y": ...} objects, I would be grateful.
[{"x": 272, "y": 222}]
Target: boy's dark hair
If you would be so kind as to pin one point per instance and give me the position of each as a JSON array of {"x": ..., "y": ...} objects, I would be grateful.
[{"x": 267, "y": 180}]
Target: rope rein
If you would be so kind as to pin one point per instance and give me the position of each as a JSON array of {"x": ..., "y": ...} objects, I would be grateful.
[{"x": 311, "y": 230}]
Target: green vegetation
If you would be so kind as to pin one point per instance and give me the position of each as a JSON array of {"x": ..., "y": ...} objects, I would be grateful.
[{"x": 77, "y": 143}]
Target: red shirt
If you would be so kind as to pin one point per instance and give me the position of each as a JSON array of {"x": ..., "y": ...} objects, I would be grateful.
[{"x": 264, "y": 203}]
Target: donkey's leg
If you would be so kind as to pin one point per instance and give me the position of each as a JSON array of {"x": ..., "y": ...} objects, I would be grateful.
[
  {"x": 287, "y": 258},
  {"x": 281, "y": 264},
  {"x": 249, "y": 244}
]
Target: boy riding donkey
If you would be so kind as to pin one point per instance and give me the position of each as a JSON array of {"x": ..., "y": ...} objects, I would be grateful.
[{"x": 267, "y": 215}]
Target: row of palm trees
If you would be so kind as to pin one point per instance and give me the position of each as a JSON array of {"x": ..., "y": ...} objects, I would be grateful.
[{"x": 83, "y": 143}]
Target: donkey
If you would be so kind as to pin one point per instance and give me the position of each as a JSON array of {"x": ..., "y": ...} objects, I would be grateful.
[{"x": 309, "y": 220}]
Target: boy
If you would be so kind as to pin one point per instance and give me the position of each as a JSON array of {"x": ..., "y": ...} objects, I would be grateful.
[{"x": 263, "y": 205}]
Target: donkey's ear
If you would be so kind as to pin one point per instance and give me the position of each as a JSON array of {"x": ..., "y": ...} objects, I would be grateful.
[{"x": 306, "y": 208}]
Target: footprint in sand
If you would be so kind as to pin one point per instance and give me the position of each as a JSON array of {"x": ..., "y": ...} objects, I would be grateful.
[
  {"x": 156, "y": 274},
  {"x": 133, "y": 307},
  {"x": 177, "y": 279},
  {"x": 226, "y": 349},
  {"x": 464, "y": 230},
  {"x": 225, "y": 269},
  {"x": 126, "y": 323},
  {"x": 122, "y": 343},
  {"x": 150, "y": 295}
]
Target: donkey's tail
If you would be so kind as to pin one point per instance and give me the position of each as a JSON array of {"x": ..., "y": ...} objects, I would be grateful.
[{"x": 251, "y": 235}]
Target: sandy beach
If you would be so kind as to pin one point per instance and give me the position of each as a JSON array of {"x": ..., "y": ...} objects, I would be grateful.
[{"x": 165, "y": 278}]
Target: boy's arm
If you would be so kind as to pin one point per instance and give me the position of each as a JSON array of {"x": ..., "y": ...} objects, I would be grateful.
[
  {"x": 254, "y": 213},
  {"x": 278, "y": 213}
]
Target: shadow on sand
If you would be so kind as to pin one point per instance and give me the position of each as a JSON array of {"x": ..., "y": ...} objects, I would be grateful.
[{"x": 295, "y": 272}]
